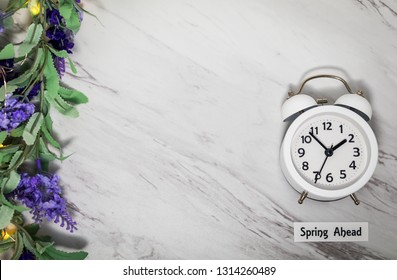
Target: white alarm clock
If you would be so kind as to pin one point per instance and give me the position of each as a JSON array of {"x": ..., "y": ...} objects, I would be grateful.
[{"x": 329, "y": 151}]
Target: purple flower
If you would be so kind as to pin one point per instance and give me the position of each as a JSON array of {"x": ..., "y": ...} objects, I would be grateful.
[
  {"x": 54, "y": 17},
  {"x": 14, "y": 112},
  {"x": 42, "y": 195},
  {"x": 60, "y": 39},
  {"x": 59, "y": 63},
  {"x": 33, "y": 92},
  {"x": 27, "y": 255}
]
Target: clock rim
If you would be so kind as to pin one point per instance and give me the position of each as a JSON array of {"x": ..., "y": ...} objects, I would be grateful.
[{"x": 299, "y": 183}]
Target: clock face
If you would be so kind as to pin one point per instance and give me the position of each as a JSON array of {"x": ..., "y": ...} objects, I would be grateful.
[{"x": 329, "y": 151}]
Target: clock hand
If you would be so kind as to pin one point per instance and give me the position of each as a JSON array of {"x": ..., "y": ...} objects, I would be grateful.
[
  {"x": 322, "y": 166},
  {"x": 315, "y": 138},
  {"x": 328, "y": 152},
  {"x": 339, "y": 144},
  {"x": 318, "y": 174}
]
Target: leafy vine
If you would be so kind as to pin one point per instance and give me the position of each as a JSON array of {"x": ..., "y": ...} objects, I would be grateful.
[{"x": 30, "y": 88}]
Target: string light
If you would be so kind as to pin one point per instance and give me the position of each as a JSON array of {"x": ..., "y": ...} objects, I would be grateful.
[
  {"x": 8, "y": 232},
  {"x": 34, "y": 7}
]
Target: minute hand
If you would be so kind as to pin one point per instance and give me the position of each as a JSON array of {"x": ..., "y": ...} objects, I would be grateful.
[
  {"x": 339, "y": 144},
  {"x": 315, "y": 138}
]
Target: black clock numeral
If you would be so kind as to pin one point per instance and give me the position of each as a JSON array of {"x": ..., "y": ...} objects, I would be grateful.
[
  {"x": 341, "y": 128},
  {"x": 351, "y": 140},
  {"x": 327, "y": 125},
  {"x": 306, "y": 139},
  {"x": 301, "y": 152},
  {"x": 305, "y": 165},
  {"x": 317, "y": 176},
  {"x": 314, "y": 130},
  {"x": 353, "y": 164},
  {"x": 329, "y": 178},
  {"x": 342, "y": 174},
  {"x": 356, "y": 152}
]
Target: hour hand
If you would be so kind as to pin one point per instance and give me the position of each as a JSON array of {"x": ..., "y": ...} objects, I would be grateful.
[
  {"x": 318, "y": 141},
  {"x": 339, "y": 144}
]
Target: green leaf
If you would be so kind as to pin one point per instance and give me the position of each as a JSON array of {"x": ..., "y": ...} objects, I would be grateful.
[
  {"x": 52, "y": 78},
  {"x": 43, "y": 257},
  {"x": 22, "y": 79},
  {"x": 17, "y": 132},
  {"x": 72, "y": 95},
  {"x": 32, "y": 128},
  {"x": 47, "y": 135},
  {"x": 5, "y": 89},
  {"x": 3, "y": 136},
  {"x": 11, "y": 149},
  {"x": 6, "y": 245},
  {"x": 74, "y": 22},
  {"x": 42, "y": 246},
  {"x": 52, "y": 253},
  {"x": 28, "y": 245},
  {"x": 7, "y": 52},
  {"x": 6, "y": 214},
  {"x": 6, "y": 153},
  {"x": 44, "y": 153},
  {"x": 64, "y": 54},
  {"x": 63, "y": 107},
  {"x": 66, "y": 9},
  {"x": 32, "y": 229},
  {"x": 17, "y": 208},
  {"x": 72, "y": 18},
  {"x": 44, "y": 238},
  {"x": 12, "y": 182},
  {"x": 18, "y": 247},
  {"x": 45, "y": 165},
  {"x": 32, "y": 39},
  {"x": 72, "y": 66},
  {"x": 48, "y": 122},
  {"x": 58, "y": 53},
  {"x": 15, "y": 160}
]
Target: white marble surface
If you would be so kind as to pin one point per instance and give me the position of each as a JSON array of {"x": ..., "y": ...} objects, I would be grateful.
[{"x": 176, "y": 155}]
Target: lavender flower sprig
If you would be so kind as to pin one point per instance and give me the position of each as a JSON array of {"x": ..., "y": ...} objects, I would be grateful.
[
  {"x": 42, "y": 194},
  {"x": 14, "y": 112},
  {"x": 29, "y": 89},
  {"x": 60, "y": 38}
]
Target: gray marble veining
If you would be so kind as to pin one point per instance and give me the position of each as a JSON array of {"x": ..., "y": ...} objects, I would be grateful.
[{"x": 176, "y": 155}]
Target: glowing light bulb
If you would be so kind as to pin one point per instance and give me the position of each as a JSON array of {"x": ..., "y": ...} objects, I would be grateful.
[
  {"x": 8, "y": 231},
  {"x": 34, "y": 7}
]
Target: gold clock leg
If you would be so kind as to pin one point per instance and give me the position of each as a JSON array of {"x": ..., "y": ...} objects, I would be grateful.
[
  {"x": 354, "y": 197},
  {"x": 303, "y": 196},
  {"x": 321, "y": 101}
]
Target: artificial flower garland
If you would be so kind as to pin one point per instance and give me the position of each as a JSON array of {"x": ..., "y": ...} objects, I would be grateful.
[{"x": 30, "y": 75}]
